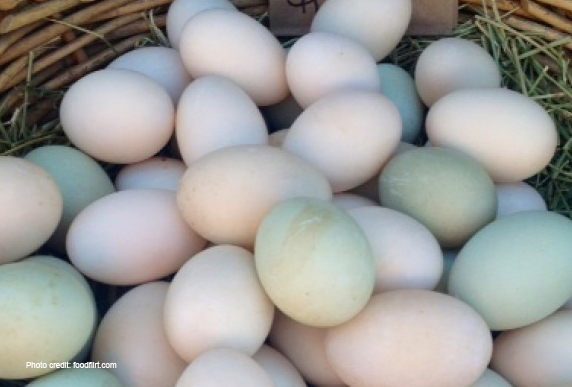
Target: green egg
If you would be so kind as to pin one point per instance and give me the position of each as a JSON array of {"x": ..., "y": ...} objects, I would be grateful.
[{"x": 517, "y": 270}]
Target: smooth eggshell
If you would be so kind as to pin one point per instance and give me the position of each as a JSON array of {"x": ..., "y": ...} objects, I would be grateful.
[
  {"x": 413, "y": 338},
  {"x": 78, "y": 377},
  {"x": 518, "y": 197},
  {"x": 130, "y": 237},
  {"x": 490, "y": 378},
  {"x": 216, "y": 301},
  {"x": 347, "y": 201},
  {"x": 156, "y": 172},
  {"x": 510, "y": 134},
  {"x": 278, "y": 367}
]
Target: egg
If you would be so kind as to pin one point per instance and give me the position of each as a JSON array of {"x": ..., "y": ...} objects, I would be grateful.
[
  {"x": 451, "y": 64},
  {"x": 156, "y": 172},
  {"x": 108, "y": 109},
  {"x": 510, "y": 134},
  {"x": 77, "y": 377},
  {"x": 447, "y": 191},
  {"x": 32, "y": 207},
  {"x": 516, "y": 270},
  {"x": 538, "y": 354},
  {"x": 491, "y": 379},
  {"x": 321, "y": 63},
  {"x": 231, "y": 44},
  {"x": 215, "y": 113},
  {"x": 132, "y": 335},
  {"x": 225, "y": 195},
  {"x": 518, "y": 197},
  {"x": 314, "y": 262},
  {"x": 328, "y": 133},
  {"x": 216, "y": 301},
  {"x": 130, "y": 237},
  {"x": 378, "y": 25},
  {"x": 280, "y": 370},
  {"x": 411, "y": 338},
  {"x": 347, "y": 201}
]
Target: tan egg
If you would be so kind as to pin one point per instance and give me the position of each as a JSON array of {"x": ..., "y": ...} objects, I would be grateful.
[
  {"x": 304, "y": 346},
  {"x": 414, "y": 338},
  {"x": 232, "y": 44},
  {"x": 132, "y": 335},
  {"x": 224, "y": 367},
  {"x": 277, "y": 138},
  {"x": 139, "y": 116},
  {"x": 321, "y": 63},
  {"x": 347, "y": 201},
  {"x": 491, "y": 379},
  {"x": 538, "y": 354},
  {"x": 78, "y": 377},
  {"x": 156, "y": 172},
  {"x": 510, "y": 134},
  {"x": 32, "y": 207},
  {"x": 518, "y": 197},
  {"x": 216, "y": 301},
  {"x": 130, "y": 237},
  {"x": 214, "y": 113},
  {"x": 280, "y": 370},
  {"x": 328, "y": 133},
  {"x": 225, "y": 195}
]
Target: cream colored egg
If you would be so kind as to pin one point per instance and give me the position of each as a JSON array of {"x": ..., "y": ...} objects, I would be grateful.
[
  {"x": 116, "y": 115},
  {"x": 538, "y": 354},
  {"x": 216, "y": 301},
  {"x": 377, "y": 24},
  {"x": 130, "y": 237},
  {"x": 518, "y": 197},
  {"x": 414, "y": 338},
  {"x": 225, "y": 195},
  {"x": 156, "y": 172},
  {"x": 132, "y": 335},
  {"x": 321, "y": 63},
  {"x": 214, "y": 113},
  {"x": 450, "y": 64},
  {"x": 232, "y": 44},
  {"x": 491, "y": 379},
  {"x": 347, "y": 201},
  {"x": 32, "y": 207},
  {"x": 507, "y": 132},
  {"x": 78, "y": 377},
  {"x": 330, "y": 131},
  {"x": 277, "y": 138},
  {"x": 280, "y": 370},
  {"x": 407, "y": 255}
]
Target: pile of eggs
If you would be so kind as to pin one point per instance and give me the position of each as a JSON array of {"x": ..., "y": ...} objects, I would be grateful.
[{"x": 285, "y": 268}]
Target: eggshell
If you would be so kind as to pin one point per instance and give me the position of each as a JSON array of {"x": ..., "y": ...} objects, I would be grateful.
[
  {"x": 507, "y": 132},
  {"x": 491, "y": 379},
  {"x": 239, "y": 371},
  {"x": 411, "y": 338},
  {"x": 80, "y": 179},
  {"x": 282, "y": 114},
  {"x": 347, "y": 201},
  {"x": 314, "y": 262},
  {"x": 216, "y": 301},
  {"x": 116, "y": 115},
  {"x": 156, "y": 172},
  {"x": 77, "y": 377},
  {"x": 447, "y": 191},
  {"x": 132, "y": 335},
  {"x": 518, "y": 197},
  {"x": 304, "y": 346},
  {"x": 379, "y": 24},
  {"x": 451, "y": 64},
  {"x": 225, "y": 195},
  {"x": 517, "y": 270},
  {"x": 321, "y": 63},
  {"x": 232, "y": 44},
  {"x": 215, "y": 113},
  {"x": 280, "y": 370},
  {"x": 130, "y": 237},
  {"x": 406, "y": 254},
  {"x": 277, "y": 138},
  {"x": 537, "y": 355},
  {"x": 32, "y": 207},
  {"x": 329, "y": 131},
  {"x": 47, "y": 316}
]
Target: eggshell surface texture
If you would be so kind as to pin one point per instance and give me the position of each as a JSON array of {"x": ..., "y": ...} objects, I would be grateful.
[
  {"x": 48, "y": 315},
  {"x": 77, "y": 377},
  {"x": 328, "y": 133},
  {"x": 517, "y": 270},
  {"x": 507, "y": 132},
  {"x": 214, "y": 113},
  {"x": 232, "y": 44},
  {"x": 216, "y": 301},
  {"x": 314, "y": 262},
  {"x": 107, "y": 109},
  {"x": 280, "y": 370},
  {"x": 225, "y": 195},
  {"x": 518, "y": 197},
  {"x": 379, "y": 24},
  {"x": 446, "y": 191},
  {"x": 414, "y": 338},
  {"x": 450, "y": 64},
  {"x": 32, "y": 207},
  {"x": 321, "y": 63},
  {"x": 131, "y": 237},
  {"x": 156, "y": 172}
]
